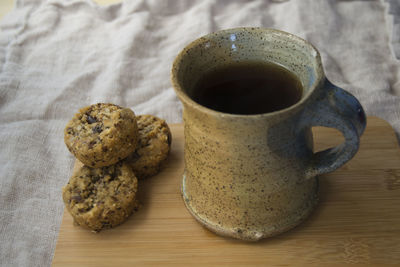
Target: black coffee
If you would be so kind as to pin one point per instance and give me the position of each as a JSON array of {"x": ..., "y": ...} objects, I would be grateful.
[{"x": 248, "y": 88}]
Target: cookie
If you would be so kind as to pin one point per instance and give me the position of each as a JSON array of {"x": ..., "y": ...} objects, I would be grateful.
[
  {"x": 102, "y": 134},
  {"x": 100, "y": 198},
  {"x": 153, "y": 146}
]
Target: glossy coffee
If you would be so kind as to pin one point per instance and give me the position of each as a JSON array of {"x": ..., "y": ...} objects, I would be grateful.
[{"x": 248, "y": 88}]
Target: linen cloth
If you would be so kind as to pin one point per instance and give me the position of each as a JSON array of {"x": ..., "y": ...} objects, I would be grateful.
[{"x": 57, "y": 56}]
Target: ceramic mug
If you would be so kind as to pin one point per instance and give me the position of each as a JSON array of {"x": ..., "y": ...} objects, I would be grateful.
[{"x": 255, "y": 176}]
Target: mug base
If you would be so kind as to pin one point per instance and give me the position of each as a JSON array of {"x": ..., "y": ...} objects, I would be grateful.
[{"x": 255, "y": 234}]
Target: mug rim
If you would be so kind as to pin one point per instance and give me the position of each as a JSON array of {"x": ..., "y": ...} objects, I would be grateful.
[{"x": 188, "y": 100}]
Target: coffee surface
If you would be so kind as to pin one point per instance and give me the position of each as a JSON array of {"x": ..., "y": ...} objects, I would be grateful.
[{"x": 248, "y": 88}]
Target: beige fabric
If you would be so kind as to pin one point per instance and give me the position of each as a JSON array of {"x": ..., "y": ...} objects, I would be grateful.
[{"x": 57, "y": 56}]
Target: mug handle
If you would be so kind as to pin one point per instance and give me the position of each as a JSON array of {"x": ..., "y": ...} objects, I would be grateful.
[{"x": 335, "y": 108}]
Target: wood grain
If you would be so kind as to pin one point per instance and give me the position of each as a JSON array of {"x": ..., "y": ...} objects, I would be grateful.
[{"x": 357, "y": 220}]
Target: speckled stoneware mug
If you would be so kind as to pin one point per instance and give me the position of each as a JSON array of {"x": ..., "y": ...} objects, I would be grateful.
[{"x": 254, "y": 176}]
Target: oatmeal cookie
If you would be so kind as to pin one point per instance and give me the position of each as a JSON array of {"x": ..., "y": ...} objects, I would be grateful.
[
  {"x": 100, "y": 198},
  {"x": 102, "y": 134},
  {"x": 153, "y": 146}
]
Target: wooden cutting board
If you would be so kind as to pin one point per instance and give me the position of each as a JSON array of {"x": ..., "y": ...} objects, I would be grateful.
[{"x": 357, "y": 220}]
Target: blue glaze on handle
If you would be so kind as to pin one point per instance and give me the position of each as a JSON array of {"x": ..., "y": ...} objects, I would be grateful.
[{"x": 335, "y": 108}]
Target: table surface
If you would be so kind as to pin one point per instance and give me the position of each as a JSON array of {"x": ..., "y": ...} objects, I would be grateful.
[
  {"x": 356, "y": 220},
  {"x": 7, "y": 5}
]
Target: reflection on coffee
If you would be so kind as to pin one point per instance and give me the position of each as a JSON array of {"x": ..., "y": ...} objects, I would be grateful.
[{"x": 248, "y": 87}]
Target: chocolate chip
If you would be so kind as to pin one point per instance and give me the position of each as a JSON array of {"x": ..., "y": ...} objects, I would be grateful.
[
  {"x": 90, "y": 119},
  {"x": 106, "y": 171},
  {"x": 70, "y": 131},
  {"x": 135, "y": 156},
  {"x": 104, "y": 148},
  {"x": 77, "y": 198},
  {"x": 91, "y": 144},
  {"x": 113, "y": 175},
  {"x": 97, "y": 129}
]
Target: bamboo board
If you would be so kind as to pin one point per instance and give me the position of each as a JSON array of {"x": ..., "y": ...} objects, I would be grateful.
[{"x": 357, "y": 220}]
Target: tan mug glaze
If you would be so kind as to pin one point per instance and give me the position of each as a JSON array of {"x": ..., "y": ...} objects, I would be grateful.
[{"x": 255, "y": 176}]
